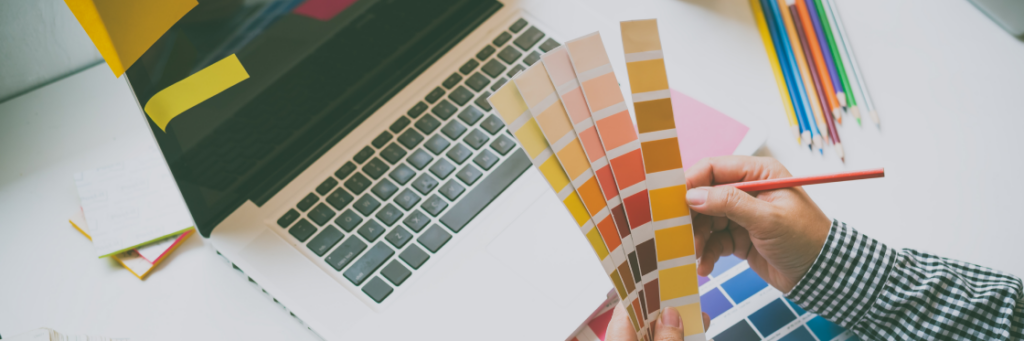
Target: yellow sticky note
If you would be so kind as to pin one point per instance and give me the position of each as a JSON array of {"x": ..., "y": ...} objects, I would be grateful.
[
  {"x": 123, "y": 30},
  {"x": 189, "y": 92}
]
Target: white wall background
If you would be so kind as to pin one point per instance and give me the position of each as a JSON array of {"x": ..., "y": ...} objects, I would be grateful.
[{"x": 40, "y": 42}]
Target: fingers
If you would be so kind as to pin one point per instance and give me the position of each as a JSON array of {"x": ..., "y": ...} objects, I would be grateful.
[
  {"x": 707, "y": 320},
  {"x": 732, "y": 204},
  {"x": 619, "y": 328},
  {"x": 728, "y": 169},
  {"x": 669, "y": 326}
]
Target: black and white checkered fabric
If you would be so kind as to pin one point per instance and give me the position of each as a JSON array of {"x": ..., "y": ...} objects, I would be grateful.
[{"x": 883, "y": 294}]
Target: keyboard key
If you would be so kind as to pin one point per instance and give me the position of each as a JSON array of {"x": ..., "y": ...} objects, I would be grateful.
[
  {"x": 482, "y": 101},
  {"x": 326, "y": 186},
  {"x": 470, "y": 115},
  {"x": 425, "y": 183},
  {"x": 395, "y": 272},
  {"x": 503, "y": 38},
  {"x": 375, "y": 168},
  {"x": 420, "y": 159},
  {"x": 460, "y": 96},
  {"x": 377, "y": 289},
  {"x": 434, "y": 205},
  {"x": 345, "y": 170},
  {"x": 307, "y": 202},
  {"x": 414, "y": 256},
  {"x": 416, "y": 220},
  {"x": 518, "y": 25},
  {"x": 363, "y": 154},
  {"x": 302, "y": 230},
  {"x": 339, "y": 198},
  {"x": 434, "y": 238},
  {"x": 393, "y": 153},
  {"x": 407, "y": 199},
  {"x": 417, "y": 110},
  {"x": 533, "y": 57},
  {"x": 442, "y": 168},
  {"x": 389, "y": 214},
  {"x": 469, "y": 66},
  {"x": 384, "y": 189},
  {"x": 451, "y": 189},
  {"x": 493, "y": 68},
  {"x": 453, "y": 129},
  {"x": 345, "y": 253},
  {"x": 402, "y": 174},
  {"x": 469, "y": 174},
  {"x": 398, "y": 237},
  {"x": 369, "y": 263},
  {"x": 516, "y": 69},
  {"x": 410, "y": 138},
  {"x": 371, "y": 230},
  {"x": 348, "y": 220},
  {"x": 288, "y": 218},
  {"x": 485, "y": 159},
  {"x": 489, "y": 188},
  {"x": 381, "y": 139},
  {"x": 497, "y": 85},
  {"x": 357, "y": 183},
  {"x": 509, "y": 54},
  {"x": 399, "y": 124},
  {"x": 452, "y": 81},
  {"x": 477, "y": 81},
  {"x": 321, "y": 214},
  {"x": 445, "y": 109},
  {"x": 366, "y": 205},
  {"x": 503, "y": 144},
  {"x": 459, "y": 153},
  {"x": 325, "y": 240},
  {"x": 529, "y": 38},
  {"x": 427, "y": 124},
  {"x": 435, "y": 95},
  {"x": 485, "y": 52},
  {"x": 549, "y": 45},
  {"x": 437, "y": 144},
  {"x": 476, "y": 139},
  {"x": 492, "y": 124}
]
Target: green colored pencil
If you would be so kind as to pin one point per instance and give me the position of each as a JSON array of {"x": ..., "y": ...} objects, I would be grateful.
[{"x": 827, "y": 27}]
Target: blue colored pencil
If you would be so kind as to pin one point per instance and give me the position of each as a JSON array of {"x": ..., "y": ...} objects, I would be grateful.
[
  {"x": 787, "y": 72},
  {"x": 825, "y": 51},
  {"x": 794, "y": 74}
]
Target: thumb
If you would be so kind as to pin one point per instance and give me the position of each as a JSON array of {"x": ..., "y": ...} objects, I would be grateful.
[
  {"x": 729, "y": 202},
  {"x": 669, "y": 326}
]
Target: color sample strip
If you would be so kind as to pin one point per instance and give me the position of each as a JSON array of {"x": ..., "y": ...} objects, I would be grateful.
[
  {"x": 622, "y": 147},
  {"x": 546, "y": 109},
  {"x": 509, "y": 104},
  {"x": 714, "y": 303},
  {"x": 189, "y": 92},
  {"x": 744, "y": 285},
  {"x": 663, "y": 164},
  {"x": 771, "y": 317},
  {"x": 560, "y": 72}
]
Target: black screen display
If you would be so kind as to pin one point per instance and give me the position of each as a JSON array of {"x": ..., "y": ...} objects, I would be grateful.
[{"x": 312, "y": 79}]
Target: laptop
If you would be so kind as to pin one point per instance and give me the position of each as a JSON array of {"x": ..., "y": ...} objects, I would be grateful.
[{"x": 360, "y": 177}]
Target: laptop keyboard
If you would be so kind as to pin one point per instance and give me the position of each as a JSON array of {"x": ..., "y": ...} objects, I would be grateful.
[{"x": 419, "y": 183}]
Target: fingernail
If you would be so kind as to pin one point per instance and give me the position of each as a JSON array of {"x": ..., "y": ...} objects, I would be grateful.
[
  {"x": 696, "y": 196},
  {"x": 670, "y": 317}
]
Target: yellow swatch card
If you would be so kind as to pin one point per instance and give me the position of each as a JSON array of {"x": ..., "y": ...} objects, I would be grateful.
[
  {"x": 123, "y": 30},
  {"x": 189, "y": 92}
]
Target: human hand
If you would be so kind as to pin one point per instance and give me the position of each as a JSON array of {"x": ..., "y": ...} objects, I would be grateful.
[
  {"x": 669, "y": 326},
  {"x": 779, "y": 232}
]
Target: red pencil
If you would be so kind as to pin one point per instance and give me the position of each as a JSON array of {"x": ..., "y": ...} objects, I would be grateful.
[{"x": 770, "y": 184}]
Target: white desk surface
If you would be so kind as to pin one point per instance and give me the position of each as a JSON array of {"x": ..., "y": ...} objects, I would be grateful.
[{"x": 946, "y": 79}]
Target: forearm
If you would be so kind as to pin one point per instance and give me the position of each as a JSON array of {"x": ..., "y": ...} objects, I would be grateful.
[{"x": 881, "y": 293}]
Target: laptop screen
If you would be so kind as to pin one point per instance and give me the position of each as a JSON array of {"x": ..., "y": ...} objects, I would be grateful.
[{"x": 316, "y": 69}]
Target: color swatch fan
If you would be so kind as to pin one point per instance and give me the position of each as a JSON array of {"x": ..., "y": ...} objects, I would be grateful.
[{"x": 623, "y": 184}]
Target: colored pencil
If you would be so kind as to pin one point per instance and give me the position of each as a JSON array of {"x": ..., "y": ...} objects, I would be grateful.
[
  {"x": 789, "y": 68},
  {"x": 770, "y": 184},
  {"x": 780, "y": 80},
  {"x": 815, "y": 58},
  {"x": 801, "y": 62},
  {"x": 826, "y": 52},
  {"x": 858, "y": 76},
  {"x": 827, "y": 22},
  {"x": 819, "y": 84}
]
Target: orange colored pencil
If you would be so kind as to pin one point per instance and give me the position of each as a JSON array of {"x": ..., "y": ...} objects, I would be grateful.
[
  {"x": 818, "y": 58},
  {"x": 770, "y": 184}
]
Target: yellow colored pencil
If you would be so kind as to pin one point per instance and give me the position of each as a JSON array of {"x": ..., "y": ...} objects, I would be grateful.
[{"x": 780, "y": 80}]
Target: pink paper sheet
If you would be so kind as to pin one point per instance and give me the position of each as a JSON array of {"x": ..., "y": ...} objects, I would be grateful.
[
  {"x": 704, "y": 131},
  {"x": 322, "y": 9}
]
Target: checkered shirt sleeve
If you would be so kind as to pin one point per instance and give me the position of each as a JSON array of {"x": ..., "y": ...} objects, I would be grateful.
[{"x": 883, "y": 294}]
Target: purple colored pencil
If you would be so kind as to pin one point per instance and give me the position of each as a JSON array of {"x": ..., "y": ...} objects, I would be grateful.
[{"x": 825, "y": 51}]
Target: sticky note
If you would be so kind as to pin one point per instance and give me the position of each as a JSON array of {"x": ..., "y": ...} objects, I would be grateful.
[
  {"x": 323, "y": 10},
  {"x": 189, "y": 92},
  {"x": 123, "y": 30}
]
